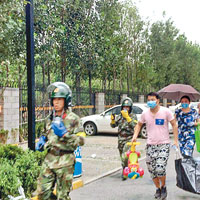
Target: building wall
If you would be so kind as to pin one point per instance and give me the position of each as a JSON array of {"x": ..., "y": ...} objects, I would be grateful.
[{"x": 9, "y": 115}]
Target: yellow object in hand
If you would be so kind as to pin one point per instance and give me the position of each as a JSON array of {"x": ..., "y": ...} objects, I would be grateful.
[
  {"x": 112, "y": 119},
  {"x": 126, "y": 115},
  {"x": 83, "y": 134}
]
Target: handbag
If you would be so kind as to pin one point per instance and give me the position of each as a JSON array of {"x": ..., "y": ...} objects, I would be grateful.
[
  {"x": 197, "y": 137},
  {"x": 188, "y": 174}
]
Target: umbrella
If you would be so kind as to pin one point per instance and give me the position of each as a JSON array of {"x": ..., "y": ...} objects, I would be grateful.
[{"x": 176, "y": 91}]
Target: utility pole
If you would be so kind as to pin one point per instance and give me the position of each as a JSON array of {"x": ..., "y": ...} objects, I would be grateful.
[{"x": 30, "y": 73}]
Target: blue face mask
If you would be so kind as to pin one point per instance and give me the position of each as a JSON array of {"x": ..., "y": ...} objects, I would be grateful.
[
  {"x": 185, "y": 105},
  {"x": 151, "y": 104}
]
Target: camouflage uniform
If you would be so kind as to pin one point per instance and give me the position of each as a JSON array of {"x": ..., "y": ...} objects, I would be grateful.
[
  {"x": 125, "y": 134},
  {"x": 58, "y": 165}
]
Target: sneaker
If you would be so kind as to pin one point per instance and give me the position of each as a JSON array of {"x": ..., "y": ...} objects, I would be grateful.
[
  {"x": 163, "y": 193},
  {"x": 157, "y": 195}
]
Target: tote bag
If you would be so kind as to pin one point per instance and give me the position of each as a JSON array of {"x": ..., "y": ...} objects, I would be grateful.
[{"x": 188, "y": 174}]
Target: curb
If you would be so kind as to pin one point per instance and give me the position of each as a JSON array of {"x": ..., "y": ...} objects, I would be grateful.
[
  {"x": 107, "y": 173},
  {"x": 77, "y": 184}
]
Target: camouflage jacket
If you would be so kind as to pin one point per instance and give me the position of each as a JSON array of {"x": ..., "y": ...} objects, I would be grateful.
[
  {"x": 68, "y": 143},
  {"x": 125, "y": 128}
]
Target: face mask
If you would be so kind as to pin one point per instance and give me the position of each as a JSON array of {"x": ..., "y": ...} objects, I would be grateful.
[
  {"x": 151, "y": 104},
  {"x": 184, "y": 105},
  {"x": 125, "y": 109}
]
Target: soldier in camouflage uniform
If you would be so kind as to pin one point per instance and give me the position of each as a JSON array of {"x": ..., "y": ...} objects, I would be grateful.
[
  {"x": 62, "y": 141},
  {"x": 126, "y": 122}
]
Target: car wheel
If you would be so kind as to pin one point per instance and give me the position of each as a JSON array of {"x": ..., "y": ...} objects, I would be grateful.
[
  {"x": 90, "y": 128},
  {"x": 143, "y": 132}
]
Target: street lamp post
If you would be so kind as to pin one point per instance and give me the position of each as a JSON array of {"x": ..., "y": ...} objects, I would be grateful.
[{"x": 30, "y": 74}]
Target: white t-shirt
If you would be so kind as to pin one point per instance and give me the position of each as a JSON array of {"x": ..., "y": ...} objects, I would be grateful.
[{"x": 157, "y": 125}]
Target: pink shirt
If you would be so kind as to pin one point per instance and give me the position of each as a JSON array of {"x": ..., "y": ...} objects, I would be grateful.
[{"x": 157, "y": 125}]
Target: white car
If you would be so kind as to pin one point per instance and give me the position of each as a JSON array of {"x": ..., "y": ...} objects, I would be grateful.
[{"x": 100, "y": 123}]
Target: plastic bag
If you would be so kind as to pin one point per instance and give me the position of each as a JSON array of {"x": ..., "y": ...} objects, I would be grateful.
[
  {"x": 188, "y": 174},
  {"x": 197, "y": 138}
]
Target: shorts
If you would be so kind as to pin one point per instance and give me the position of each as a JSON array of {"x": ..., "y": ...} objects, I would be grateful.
[{"x": 156, "y": 159}]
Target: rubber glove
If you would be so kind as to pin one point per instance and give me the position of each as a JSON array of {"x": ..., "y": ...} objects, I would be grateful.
[
  {"x": 126, "y": 115},
  {"x": 112, "y": 119},
  {"x": 82, "y": 134},
  {"x": 59, "y": 128},
  {"x": 40, "y": 144}
]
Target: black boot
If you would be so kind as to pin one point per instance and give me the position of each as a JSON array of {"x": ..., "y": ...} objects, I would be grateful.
[
  {"x": 157, "y": 195},
  {"x": 123, "y": 177},
  {"x": 163, "y": 192}
]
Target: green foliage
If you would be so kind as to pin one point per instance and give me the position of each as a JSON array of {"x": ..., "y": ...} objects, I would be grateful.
[
  {"x": 19, "y": 167},
  {"x": 39, "y": 129},
  {"x": 28, "y": 170},
  {"x": 3, "y": 132},
  {"x": 104, "y": 44},
  {"x": 3, "y": 136},
  {"x": 10, "y": 152},
  {"x": 9, "y": 181}
]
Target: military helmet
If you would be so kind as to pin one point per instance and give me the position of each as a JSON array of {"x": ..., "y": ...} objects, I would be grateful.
[
  {"x": 127, "y": 102},
  {"x": 62, "y": 90}
]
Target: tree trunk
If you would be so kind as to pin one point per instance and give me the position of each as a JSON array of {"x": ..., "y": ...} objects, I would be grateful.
[
  {"x": 63, "y": 65},
  {"x": 120, "y": 81},
  {"x": 128, "y": 87},
  {"x": 78, "y": 98},
  {"x": 20, "y": 94},
  {"x": 114, "y": 79},
  {"x": 43, "y": 89},
  {"x": 49, "y": 75},
  {"x": 90, "y": 86}
]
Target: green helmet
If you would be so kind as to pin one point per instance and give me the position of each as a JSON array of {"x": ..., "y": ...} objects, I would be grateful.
[
  {"x": 62, "y": 90},
  {"x": 127, "y": 102}
]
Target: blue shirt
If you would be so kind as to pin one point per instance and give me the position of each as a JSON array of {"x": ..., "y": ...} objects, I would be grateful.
[{"x": 186, "y": 122}]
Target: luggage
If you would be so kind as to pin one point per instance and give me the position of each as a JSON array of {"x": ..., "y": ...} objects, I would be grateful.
[
  {"x": 188, "y": 174},
  {"x": 197, "y": 138}
]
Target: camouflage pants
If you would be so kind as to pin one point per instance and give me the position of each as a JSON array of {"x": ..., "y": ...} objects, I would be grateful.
[
  {"x": 123, "y": 148},
  {"x": 62, "y": 177}
]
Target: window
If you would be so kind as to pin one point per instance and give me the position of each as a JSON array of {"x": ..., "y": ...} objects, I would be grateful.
[
  {"x": 115, "y": 111},
  {"x": 137, "y": 110}
]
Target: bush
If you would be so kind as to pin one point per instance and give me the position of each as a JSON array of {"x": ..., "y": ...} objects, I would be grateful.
[
  {"x": 28, "y": 170},
  {"x": 10, "y": 152},
  {"x": 19, "y": 167},
  {"x": 3, "y": 136},
  {"x": 9, "y": 181}
]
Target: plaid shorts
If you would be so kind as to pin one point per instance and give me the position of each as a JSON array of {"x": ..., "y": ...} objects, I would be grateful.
[{"x": 156, "y": 159}]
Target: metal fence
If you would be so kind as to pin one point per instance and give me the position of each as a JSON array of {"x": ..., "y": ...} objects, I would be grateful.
[{"x": 82, "y": 100}]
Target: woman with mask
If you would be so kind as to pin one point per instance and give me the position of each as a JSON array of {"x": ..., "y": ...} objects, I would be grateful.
[{"x": 187, "y": 120}]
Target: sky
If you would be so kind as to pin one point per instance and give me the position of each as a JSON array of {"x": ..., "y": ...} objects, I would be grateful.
[{"x": 184, "y": 13}]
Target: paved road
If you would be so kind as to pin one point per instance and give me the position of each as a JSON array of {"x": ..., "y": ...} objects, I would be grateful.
[{"x": 112, "y": 188}]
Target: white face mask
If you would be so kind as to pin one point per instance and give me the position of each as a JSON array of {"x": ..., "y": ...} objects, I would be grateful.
[{"x": 125, "y": 109}]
